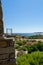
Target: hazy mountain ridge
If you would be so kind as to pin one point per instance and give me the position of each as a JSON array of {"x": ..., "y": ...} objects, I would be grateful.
[
  {"x": 26, "y": 34},
  {"x": 29, "y": 34}
]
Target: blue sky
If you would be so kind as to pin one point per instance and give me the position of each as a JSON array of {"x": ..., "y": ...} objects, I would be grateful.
[{"x": 23, "y": 16}]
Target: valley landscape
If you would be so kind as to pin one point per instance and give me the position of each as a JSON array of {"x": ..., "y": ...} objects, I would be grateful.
[{"x": 28, "y": 45}]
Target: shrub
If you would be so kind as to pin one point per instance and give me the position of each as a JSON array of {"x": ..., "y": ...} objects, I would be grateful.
[
  {"x": 16, "y": 46},
  {"x": 32, "y": 48},
  {"x": 35, "y": 47},
  {"x": 20, "y": 43},
  {"x": 22, "y": 48},
  {"x": 35, "y": 58}
]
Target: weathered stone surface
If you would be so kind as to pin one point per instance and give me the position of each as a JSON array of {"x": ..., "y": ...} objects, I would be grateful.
[
  {"x": 7, "y": 51},
  {"x": 1, "y": 21}
]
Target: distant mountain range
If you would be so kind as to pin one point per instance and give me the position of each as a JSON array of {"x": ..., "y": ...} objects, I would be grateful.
[
  {"x": 36, "y": 33},
  {"x": 29, "y": 34},
  {"x": 26, "y": 34}
]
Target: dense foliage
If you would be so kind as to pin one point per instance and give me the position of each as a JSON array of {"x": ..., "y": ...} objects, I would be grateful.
[
  {"x": 35, "y": 58},
  {"x": 19, "y": 45},
  {"x": 35, "y": 47}
]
